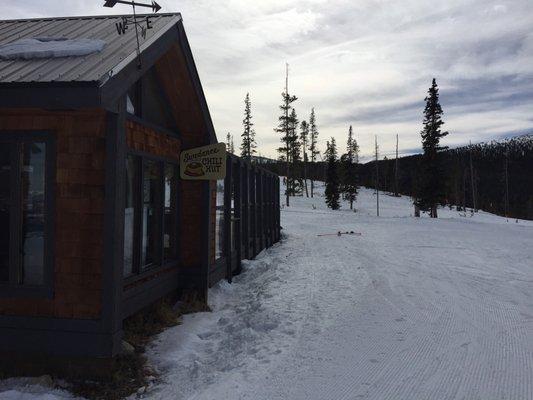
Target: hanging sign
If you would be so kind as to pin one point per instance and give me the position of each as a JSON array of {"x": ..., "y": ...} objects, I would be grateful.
[{"x": 204, "y": 163}]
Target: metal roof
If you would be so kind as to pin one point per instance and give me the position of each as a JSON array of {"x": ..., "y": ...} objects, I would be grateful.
[{"x": 119, "y": 51}]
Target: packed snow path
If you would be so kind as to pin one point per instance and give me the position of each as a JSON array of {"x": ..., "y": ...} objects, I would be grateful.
[{"x": 412, "y": 309}]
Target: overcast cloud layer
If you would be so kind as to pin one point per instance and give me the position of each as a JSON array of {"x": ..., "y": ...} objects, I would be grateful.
[{"x": 365, "y": 63}]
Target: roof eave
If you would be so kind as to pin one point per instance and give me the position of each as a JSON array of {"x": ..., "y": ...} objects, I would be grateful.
[
  {"x": 50, "y": 95},
  {"x": 121, "y": 77}
]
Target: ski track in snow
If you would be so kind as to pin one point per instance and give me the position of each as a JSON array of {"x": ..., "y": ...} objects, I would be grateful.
[{"x": 412, "y": 309}]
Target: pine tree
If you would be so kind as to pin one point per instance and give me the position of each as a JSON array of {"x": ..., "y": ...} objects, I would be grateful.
[
  {"x": 431, "y": 185},
  {"x": 304, "y": 138},
  {"x": 230, "y": 147},
  {"x": 287, "y": 130},
  {"x": 349, "y": 169},
  {"x": 295, "y": 146},
  {"x": 313, "y": 145},
  {"x": 332, "y": 177},
  {"x": 248, "y": 143}
]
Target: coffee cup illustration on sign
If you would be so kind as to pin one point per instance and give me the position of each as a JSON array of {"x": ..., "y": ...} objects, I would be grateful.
[{"x": 194, "y": 169}]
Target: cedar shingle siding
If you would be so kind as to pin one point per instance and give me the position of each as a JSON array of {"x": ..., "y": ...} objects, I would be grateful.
[{"x": 79, "y": 190}]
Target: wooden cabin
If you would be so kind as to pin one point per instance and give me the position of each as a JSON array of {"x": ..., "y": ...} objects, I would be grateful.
[{"x": 95, "y": 222}]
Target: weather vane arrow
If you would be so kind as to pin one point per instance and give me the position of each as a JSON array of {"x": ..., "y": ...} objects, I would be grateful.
[
  {"x": 141, "y": 25},
  {"x": 154, "y": 6}
]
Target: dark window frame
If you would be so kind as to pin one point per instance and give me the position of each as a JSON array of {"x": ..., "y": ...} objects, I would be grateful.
[
  {"x": 13, "y": 289},
  {"x": 140, "y": 272},
  {"x": 135, "y": 95}
]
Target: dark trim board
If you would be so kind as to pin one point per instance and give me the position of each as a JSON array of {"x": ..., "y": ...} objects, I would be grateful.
[
  {"x": 206, "y": 240},
  {"x": 139, "y": 297},
  {"x": 50, "y": 96},
  {"x": 218, "y": 272},
  {"x": 157, "y": 128},
  {"x": 191, "y": 278},
  {"x": 112, "y": 274},
  {"x": 46, "y": 323},
  {"x": 23, "y": 340}
]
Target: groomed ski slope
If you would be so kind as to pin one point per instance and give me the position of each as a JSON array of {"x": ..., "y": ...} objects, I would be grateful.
[{"x": 412, "y": 309}]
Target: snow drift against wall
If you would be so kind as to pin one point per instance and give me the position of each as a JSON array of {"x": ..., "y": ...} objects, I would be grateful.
[{"x": 46, "y": 47}]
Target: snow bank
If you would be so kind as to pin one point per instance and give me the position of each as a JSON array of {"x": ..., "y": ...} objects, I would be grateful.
[
  {"x": 32, "y": 389},
  {"x": 414, "y": 308},
  {"x": 33, "y": 48}
]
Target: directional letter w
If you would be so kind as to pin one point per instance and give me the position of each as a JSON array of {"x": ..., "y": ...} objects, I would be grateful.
[{"x": 121, "y": 27}]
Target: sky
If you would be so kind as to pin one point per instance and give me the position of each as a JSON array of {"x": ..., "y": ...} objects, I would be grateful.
[{"x": 365, "y": 63}]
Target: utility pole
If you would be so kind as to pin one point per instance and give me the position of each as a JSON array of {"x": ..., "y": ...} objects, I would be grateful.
[
  {"x": 377, "y": 178},
  {"x": 287, "y": 188},
  {"x": 472, "y": 180},
  {"x": 396, "y": 170},
  {"x": 506, "y": 183},
  {"x": 464, "y": 189}
]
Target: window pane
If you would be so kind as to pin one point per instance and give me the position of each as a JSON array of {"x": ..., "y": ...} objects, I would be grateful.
[
  {"x": 233, "y": 222},
  {"x": 219, "y": 229},
  {"x": 149, "y": 221},
  {"x": 169, "y": 222},
  {"x": 129, "y": 216},
  {"x": 5, "y": 201},
  {"x": 33, "y": 211}
]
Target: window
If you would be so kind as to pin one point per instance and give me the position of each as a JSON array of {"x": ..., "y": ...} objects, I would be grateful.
[
  {"x": 219, "y": 229},
  {"x": 134, "y": 99},
  {"x": 129, "y": 215},
  {"x": 170, "y": 220},
  {"x": 150, "y": 214},
  {"x": 25, "y": 179},
  {"x": 5, "y": 210}
]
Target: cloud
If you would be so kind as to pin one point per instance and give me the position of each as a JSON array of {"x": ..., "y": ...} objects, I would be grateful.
[{"x": 366, "y": 63}]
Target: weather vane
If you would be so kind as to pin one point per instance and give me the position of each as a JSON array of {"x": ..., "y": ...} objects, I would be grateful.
[{"x": 142, "y": 24}]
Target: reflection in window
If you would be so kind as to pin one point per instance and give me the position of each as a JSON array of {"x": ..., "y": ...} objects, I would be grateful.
[
  {"x": 149, "y": 214},
  {"x": 219, "y": 229},
  {"x": 22, "y": 212},
  {"x": 129, "y": 216},
  {"x": 33, "y": 173},
  {"x": 5, "y": 209},
  {"x": 169, "y": 217},
  {"x": 233, "y": 220}
]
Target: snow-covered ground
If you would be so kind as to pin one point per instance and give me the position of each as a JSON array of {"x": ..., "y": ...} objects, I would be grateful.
[{"x": 414, "y": 308}]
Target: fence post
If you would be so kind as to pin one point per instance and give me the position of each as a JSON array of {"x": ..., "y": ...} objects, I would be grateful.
[
  {"x": 278, "y": 210},
  {"x": 246, "y": 211},
  {"x": 228, "y": 186},
  {"x": 271, "y": 209},
  {"x": 238, "y": 213},
  {"x": 253, "y": 213}
]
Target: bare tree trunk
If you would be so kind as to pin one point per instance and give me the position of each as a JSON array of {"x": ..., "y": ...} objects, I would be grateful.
[
  {"x": 377, "y": 179},
  {"x": 472, "y": 181},
  {"x": 396, "y": 170},
  {"x": 506, "y": 184},
  {"x": 464, "y": 190},
  {"x": 305, "y": 175},
  {"x": 287, "y": 188},
  {"x": 417, "y": 211}
]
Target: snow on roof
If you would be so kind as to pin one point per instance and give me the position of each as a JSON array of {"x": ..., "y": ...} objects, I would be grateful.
[
  {"x": 94, "y": 66},
  {"x": 47, "y": 47}
]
